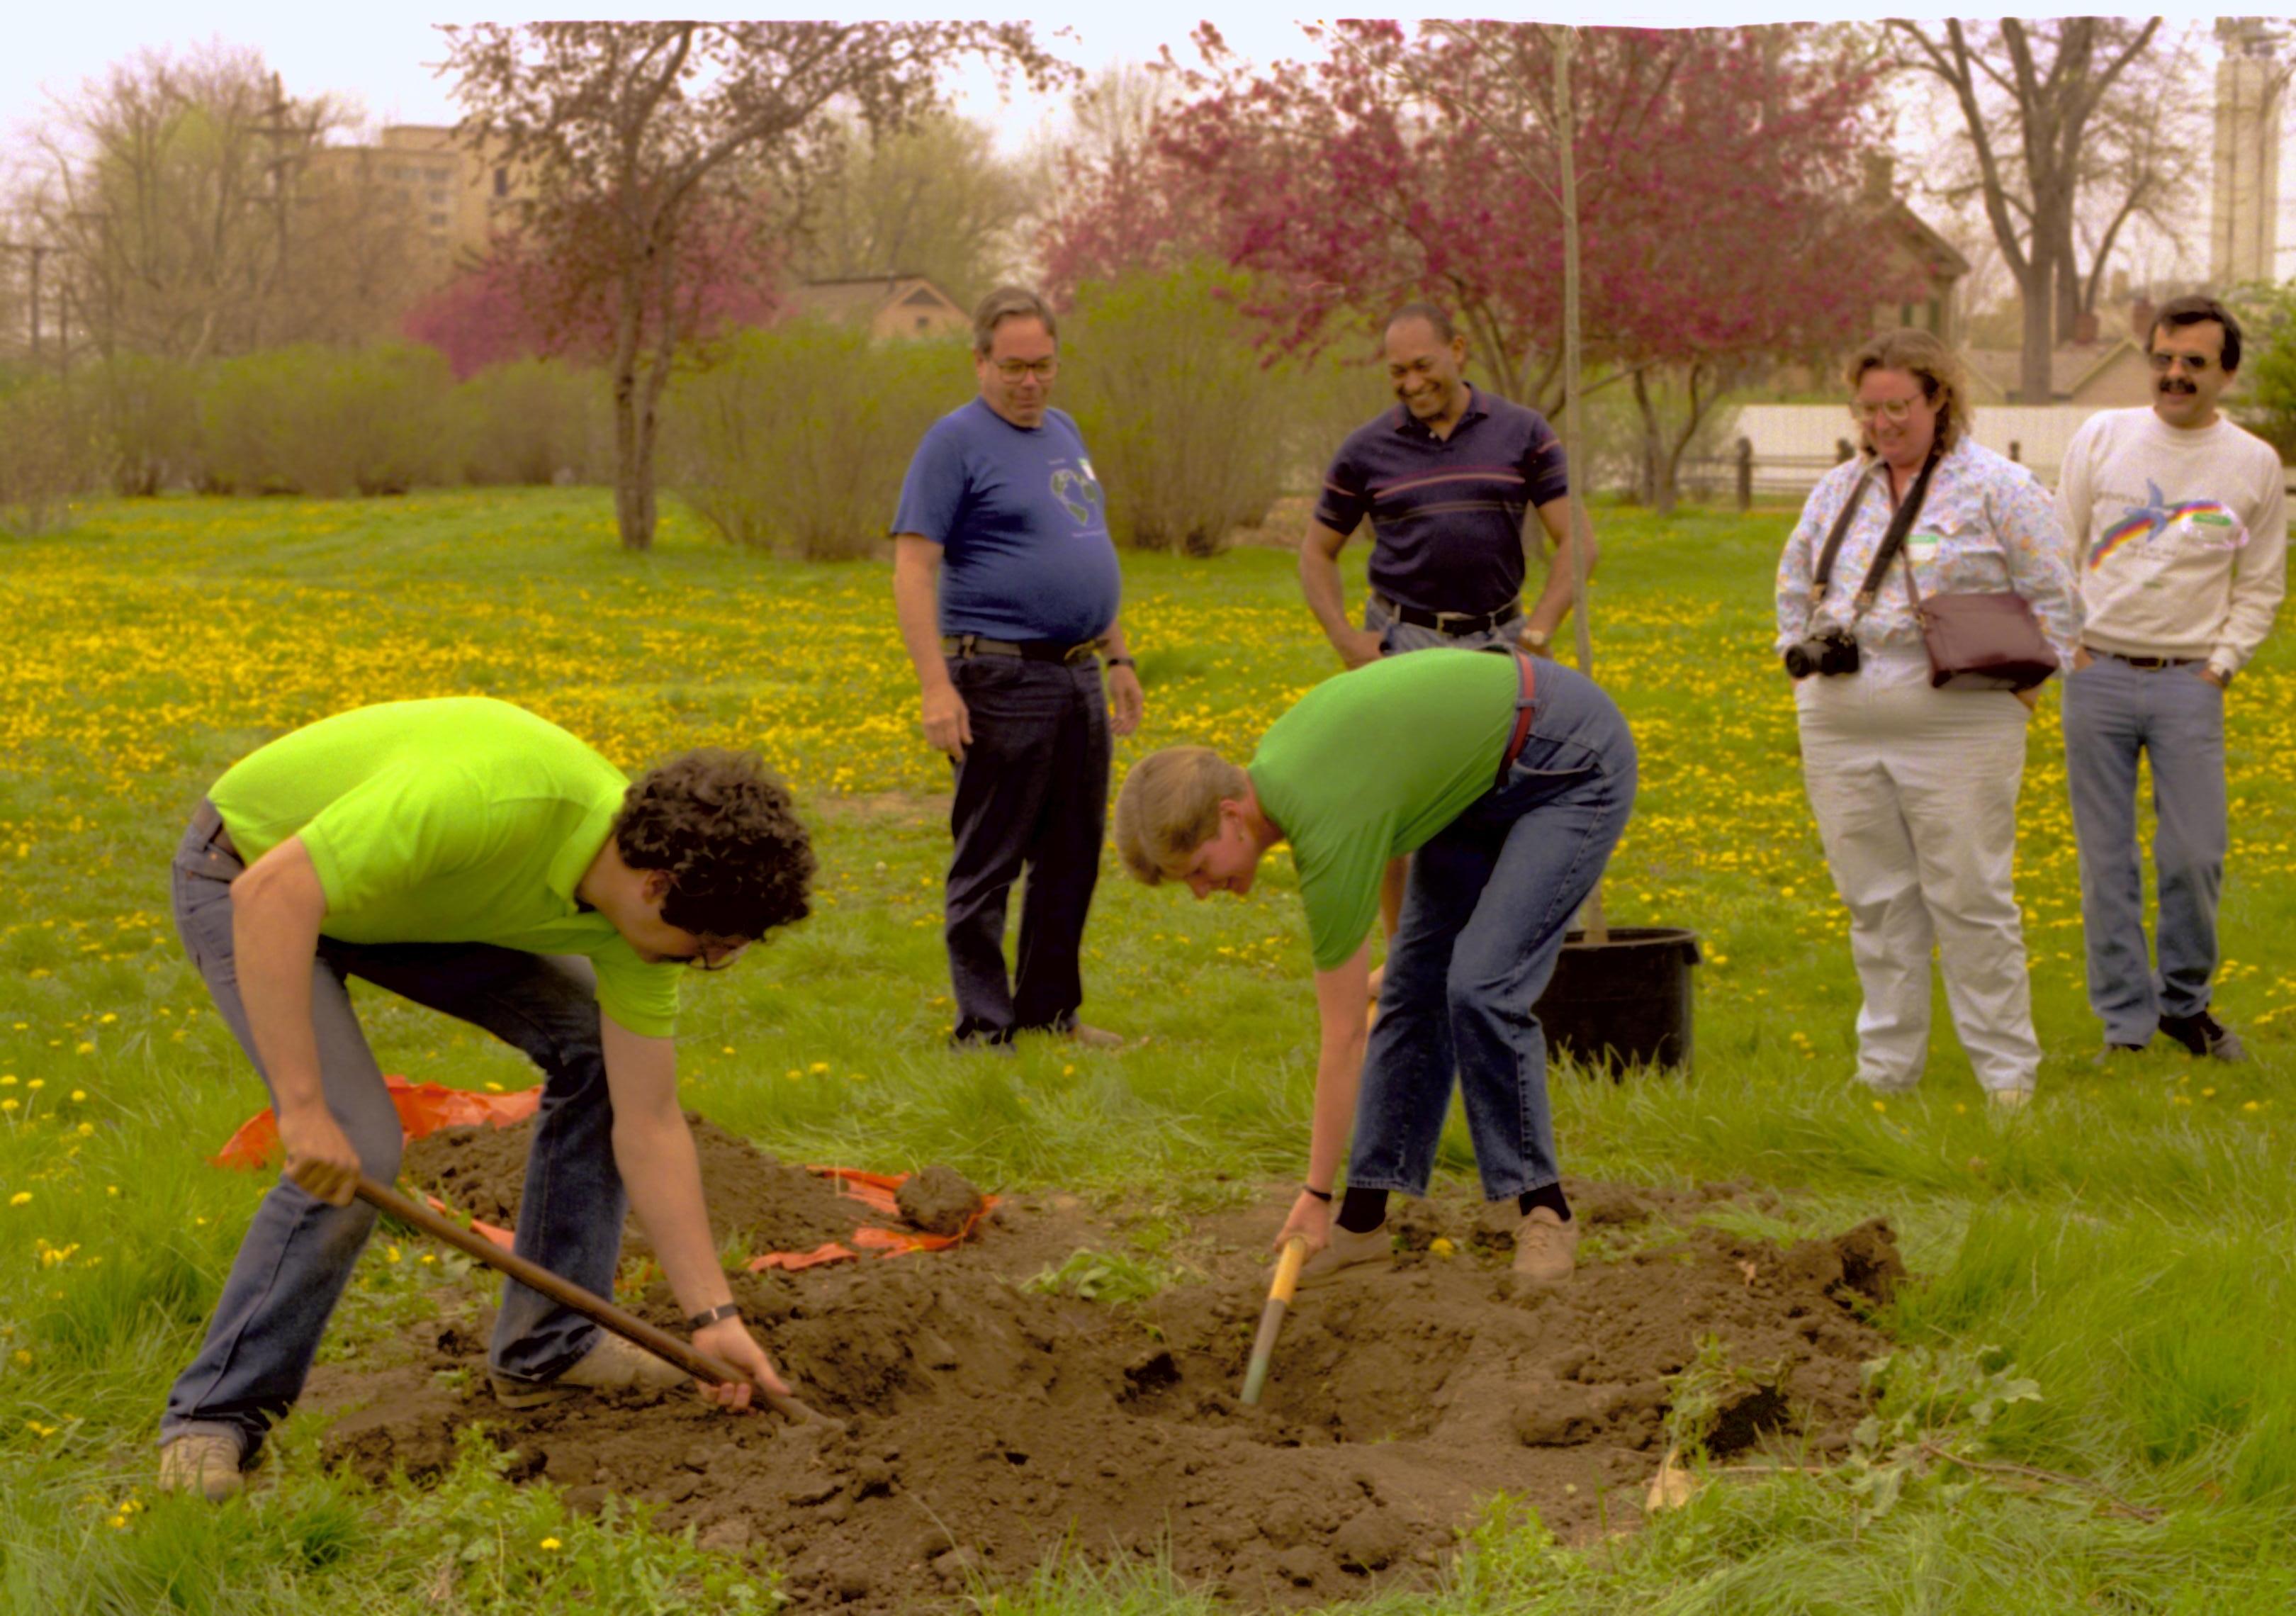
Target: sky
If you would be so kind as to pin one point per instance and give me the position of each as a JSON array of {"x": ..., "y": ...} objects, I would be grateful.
[{"x": 381, "y": 57}]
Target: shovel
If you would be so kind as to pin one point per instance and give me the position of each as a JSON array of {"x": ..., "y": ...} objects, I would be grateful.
[
  {"x": 700, "y": 1366},
  {"x": 1271, "y": 1317}
]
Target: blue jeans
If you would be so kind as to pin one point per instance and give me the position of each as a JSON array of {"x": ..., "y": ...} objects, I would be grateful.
[
  {"x": 1396, "y": 635},
  {"x": 297, "y": 1254},
  {"x": 1031, "y": 795},
  {"x": 2113, "y": 712},
  {"x": 1483, "y": 922}
]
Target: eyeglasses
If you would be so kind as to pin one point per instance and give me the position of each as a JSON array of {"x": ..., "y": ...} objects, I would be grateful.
[
  {"x": 1012, "y": 370},
  {"x": 1892, "y": 410},
  {"x": 2194, "y": 363},
  {"x": 716, "y": 954}
]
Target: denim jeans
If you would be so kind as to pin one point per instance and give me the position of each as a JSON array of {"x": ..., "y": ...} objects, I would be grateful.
[
  {"x": 2113, "y": 712},
  {"x": 1483, "y": 922},
  {"x": 1031, "y": 795},
  {"x": 1397, "y": 636},
  {"x": 297, "y": 1252}
]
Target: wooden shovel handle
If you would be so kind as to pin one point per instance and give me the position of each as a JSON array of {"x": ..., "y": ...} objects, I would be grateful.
[{"x": 700, "y": 1366}]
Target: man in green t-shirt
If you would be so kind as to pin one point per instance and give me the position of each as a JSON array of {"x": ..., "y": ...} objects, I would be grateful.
[
  {"x": 1508, "y": 782},
  {"x": 474, "y": 858}
]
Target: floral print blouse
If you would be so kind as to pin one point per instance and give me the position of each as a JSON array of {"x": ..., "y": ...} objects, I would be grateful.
[{"x": 1987, "y": 526}]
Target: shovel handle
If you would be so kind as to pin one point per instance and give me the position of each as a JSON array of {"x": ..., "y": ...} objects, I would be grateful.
[{"x": 700, "y": 1366}]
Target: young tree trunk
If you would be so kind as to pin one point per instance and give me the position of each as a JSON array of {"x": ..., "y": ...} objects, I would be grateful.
[
  {"x": 1649, "y": 481},
  {"x": 1574, "y": 437}
]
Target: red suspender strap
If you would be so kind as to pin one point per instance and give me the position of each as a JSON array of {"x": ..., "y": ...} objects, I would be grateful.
[{"x": 1522, "y": 705}]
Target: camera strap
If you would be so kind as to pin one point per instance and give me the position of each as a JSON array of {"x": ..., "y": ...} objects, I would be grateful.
[{"x": 1901, "y": 523}]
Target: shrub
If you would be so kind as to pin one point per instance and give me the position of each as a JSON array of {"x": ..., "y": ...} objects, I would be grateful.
[
  {"x": 327, "y": 422},
  {"x": 1190, "y": 424},
  {"x": 795, "y": 439},
  {"x": 147, "y": 411},
  {"x": 534, "y": 421},
  {"x": 46, "y": 454}
]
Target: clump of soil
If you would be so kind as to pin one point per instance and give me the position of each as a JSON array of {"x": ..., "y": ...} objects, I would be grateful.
[
  {"x": 989, "y": 1427},
  {"x": 938, "y": 1200}
]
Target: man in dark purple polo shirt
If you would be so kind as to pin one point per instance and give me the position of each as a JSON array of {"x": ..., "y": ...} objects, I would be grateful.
[{"x": 1446, "y": 478}]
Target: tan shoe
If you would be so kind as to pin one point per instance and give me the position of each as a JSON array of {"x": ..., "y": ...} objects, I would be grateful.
[
  {"x": 203, "y": 1462},
  {"x": 613, "y": 1365},
  {"x": 2008, "y": 1100},
  {"x": 1348, "y": 1249},
  {"x": 1094, "y": 1037},
  {"x": 1545, "y": 1247}
]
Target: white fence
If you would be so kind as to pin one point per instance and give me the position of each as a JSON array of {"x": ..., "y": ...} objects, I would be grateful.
[{"x": 1794, "y": 444}]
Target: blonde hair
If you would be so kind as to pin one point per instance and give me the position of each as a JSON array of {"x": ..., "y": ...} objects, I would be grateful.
[
  {"x": 1928, "y": 361},
  {"x": 1170, "y": 806}
]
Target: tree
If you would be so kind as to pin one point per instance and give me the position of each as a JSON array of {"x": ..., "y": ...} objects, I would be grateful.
[
  {"x": 1111, "y": 201},
  {"x": 933, "y": 200},
  {"x": 1719, "y": 171},
  {"x": 636, "y": 134},
  {"x": 2030, "y": 95},
  {"x": 191, "y": 214}
]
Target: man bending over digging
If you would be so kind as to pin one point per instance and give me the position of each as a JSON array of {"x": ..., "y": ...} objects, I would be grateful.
[
  {"x": 471, "y": 857},
  {"x": 1509, "y": 781}
]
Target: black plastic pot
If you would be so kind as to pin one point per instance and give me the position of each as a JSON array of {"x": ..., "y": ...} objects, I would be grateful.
[{"x": 1623, "y": 1004}]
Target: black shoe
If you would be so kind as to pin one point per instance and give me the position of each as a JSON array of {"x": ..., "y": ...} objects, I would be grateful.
[
  {"x": 2112, "y": 1054},
  {"x": 2204, "y": 1035}
]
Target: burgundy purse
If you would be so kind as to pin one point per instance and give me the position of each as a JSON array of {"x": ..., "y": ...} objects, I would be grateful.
[{"x": 1981, "y": 642}]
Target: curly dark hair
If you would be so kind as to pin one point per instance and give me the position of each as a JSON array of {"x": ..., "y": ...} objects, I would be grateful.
[{"x": 728, "y": 834}]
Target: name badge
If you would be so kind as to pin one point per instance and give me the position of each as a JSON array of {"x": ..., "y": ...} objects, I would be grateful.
[{"x": 1922, "y": 546}]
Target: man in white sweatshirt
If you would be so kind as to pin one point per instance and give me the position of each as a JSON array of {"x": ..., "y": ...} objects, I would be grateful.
[{"x": 2176, "y": 521}]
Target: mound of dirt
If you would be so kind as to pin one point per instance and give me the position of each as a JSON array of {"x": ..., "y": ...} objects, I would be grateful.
[
  {"x": 990, "y": 1426},
  {"x": 773, "y": 1205}
]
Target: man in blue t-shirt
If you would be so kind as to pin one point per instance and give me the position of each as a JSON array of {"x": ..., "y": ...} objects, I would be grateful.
[
  {"x": 1446, "y": 478},
  {"x": 1006, "y": 586}
]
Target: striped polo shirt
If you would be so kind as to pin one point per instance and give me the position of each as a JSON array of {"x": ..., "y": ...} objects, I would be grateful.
[{"x": 1446, "y": 512}]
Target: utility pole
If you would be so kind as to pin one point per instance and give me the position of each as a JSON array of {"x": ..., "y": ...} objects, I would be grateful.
[{"x": 36, "y": 251}]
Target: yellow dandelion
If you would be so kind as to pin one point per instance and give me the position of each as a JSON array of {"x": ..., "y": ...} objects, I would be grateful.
[
  {"x": 551, "y": 1543},
  {"x": 20, "y": 1198},
  {"x": 79, "y": 1095}
]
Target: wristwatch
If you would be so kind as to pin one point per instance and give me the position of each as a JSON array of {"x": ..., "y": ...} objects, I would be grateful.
[
  {"x": 1536, "y": 639},
  {"x": 2224, "y": 675}
]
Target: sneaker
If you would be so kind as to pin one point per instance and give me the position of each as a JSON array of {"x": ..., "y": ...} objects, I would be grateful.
[
  {"x": 1093, "y": 1038},
  {"x": 204, "y": 1463},
  {"x": 1348, "y": 1249},
  {"x": 613, "y": 1365},
  {"x": 2114, "y": 1054},
  {"x": 2204, "y": 1035},
  {"x": 1545, "y": 1247},
  {"x": 2008, "y": 1100}
]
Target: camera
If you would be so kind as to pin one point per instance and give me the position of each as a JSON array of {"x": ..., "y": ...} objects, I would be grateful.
[{"x": 1827, "y": 653}]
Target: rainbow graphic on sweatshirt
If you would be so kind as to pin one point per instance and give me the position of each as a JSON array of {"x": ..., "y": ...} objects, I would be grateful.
[{"x": 2155, "y": 517}]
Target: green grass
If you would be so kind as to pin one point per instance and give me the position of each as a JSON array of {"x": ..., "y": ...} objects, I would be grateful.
[{"x": 2126, "y": 1245}]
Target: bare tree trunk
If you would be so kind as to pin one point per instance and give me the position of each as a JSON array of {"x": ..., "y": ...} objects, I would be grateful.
[
  {"x": 1646, "y": 451},
  {"x": 2037, "y": 284},
  {"x": 634, "y": 510},
  {"x": 1574, "y": 437}
]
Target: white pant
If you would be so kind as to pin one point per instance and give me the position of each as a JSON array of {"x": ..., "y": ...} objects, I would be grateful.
[{"x": 1916, "y": 793}]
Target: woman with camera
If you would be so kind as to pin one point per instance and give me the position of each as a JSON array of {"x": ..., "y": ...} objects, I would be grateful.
[{"x": 1912, "y": 753}]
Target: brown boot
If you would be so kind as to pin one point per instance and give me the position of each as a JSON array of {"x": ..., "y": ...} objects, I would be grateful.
[
  {"x": 202, "y": 1463},
  {"x": 613, "y": 1365},
  {"x": 1545, "y": 1247},
  {"x": 1346, "y": 1250}
]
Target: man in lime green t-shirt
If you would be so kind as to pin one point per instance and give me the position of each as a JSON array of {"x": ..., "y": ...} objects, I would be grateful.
[
  {"x": 1508, "y": 782},
  {"x": 478, "y": 860}
]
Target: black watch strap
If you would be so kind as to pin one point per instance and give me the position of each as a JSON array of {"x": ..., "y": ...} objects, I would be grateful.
[
  {"x": 724, "y": 1310},
  {"x": 1120, "y": 662}
]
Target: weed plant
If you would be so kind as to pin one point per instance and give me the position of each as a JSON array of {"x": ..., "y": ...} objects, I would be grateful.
[{"x": 2124, "y": 1245}]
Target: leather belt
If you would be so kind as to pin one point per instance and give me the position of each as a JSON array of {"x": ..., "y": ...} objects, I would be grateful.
[
  {"x": 1027, "y": 651},
  {"x": 1453, "y": 623},
  {"x": 2148, "y": 664},
  {"x": 209, "y": 823},
  {"x": 1528, "y": 668}
]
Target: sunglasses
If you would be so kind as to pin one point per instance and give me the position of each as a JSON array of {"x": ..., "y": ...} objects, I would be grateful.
[{"x": 2195, "y": 364}]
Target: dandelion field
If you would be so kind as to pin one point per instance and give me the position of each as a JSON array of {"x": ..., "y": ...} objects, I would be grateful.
[{"x": 2126, "y": 1245}]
